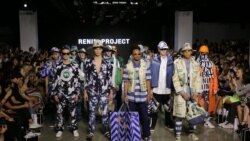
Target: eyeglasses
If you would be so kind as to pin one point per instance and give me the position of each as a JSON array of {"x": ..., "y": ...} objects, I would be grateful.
[{"x": 66, "y": 53}]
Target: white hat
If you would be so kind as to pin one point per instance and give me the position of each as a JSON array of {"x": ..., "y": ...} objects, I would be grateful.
[
  {"x": 141, "y": 47},
  {"x": 97, "y": 43},
  {"x": 82, "y": 50},
  {"x": 162, "y": 45},
  {"x": 109, "y": 48},
  {"x": 54, "y": 49},
  {"x": 186, "y": 46}
]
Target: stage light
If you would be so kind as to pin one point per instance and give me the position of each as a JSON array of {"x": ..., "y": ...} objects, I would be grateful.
[{"x": 25, "y": 5}]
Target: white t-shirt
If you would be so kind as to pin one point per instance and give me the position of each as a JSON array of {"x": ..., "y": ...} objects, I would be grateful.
[{"x": 161, "y": 89}]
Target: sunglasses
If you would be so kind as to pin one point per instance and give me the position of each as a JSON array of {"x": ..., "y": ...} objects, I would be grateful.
[
  {"x": 66, "y": 53},
  {"x": 163, "y": 49},
  {"x": 137, "y": 54}
]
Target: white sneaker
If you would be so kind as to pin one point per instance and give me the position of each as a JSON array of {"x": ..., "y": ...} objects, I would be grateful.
[
  {"x": 59, "y": 134},
  {"x": 223, "y": 123},
  {"x": 178, "y": 138},
  {"x": 75, "y": 133},
  {"x": 34, "y": 126},
  {"x": 29, "y": 135},
  {"x": 228, "y": 126},
  {"x": 194, "y": 137},
  {"x": 208, "y": 124},
  {"x": 38, "y": 133}
]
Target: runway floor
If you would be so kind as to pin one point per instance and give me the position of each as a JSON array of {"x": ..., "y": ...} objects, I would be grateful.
[{"x": 160, "y": 133}]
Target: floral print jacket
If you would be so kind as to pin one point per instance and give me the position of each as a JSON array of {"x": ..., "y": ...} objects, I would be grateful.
[{"x": 98, "y": 83}]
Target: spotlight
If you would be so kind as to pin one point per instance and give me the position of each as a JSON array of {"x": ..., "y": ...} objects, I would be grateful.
[{"x": 25, "y": 5}]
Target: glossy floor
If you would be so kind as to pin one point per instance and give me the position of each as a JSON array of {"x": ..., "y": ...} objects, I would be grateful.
[{"x": 160, "y": 133}]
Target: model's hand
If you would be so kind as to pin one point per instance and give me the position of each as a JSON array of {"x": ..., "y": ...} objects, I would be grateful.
[
  {"x": 117, "y": 88},
  {"x": 185, "y": 96},
  {"x": 86, "y": 97},
  {"x": 125, "y": 99},
  {"x": 111, "y": 96},
  {"x": 76, "y": 98},
  {"x": 56, "y": 99},
  {"x": 149, "y": 97}
]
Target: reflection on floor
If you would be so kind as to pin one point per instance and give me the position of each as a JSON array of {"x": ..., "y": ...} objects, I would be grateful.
[{"x": 160, "y": 134}]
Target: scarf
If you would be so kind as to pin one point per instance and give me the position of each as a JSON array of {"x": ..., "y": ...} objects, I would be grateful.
[{"x": 207, "y": 72}]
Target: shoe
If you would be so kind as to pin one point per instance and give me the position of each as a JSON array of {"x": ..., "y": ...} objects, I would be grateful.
[
  {"x": 90, "y": 136},
  {"x": 152, "y": 130},
  {"x": 208, "y": 124},
  {"x": 29, "y": 135},
  {"x": 38, "y": 133},
  {"x": 228, "y": 126},
  {"x": 34, "y": 126},
  {"x": 178, "y": 138},
  {"x": 147, "y": 139},
  {"x": 59, "y": 134},
  {"x": 75, "y": 133},
  {"x": 223, "y": 123},
  {"x": 52, "y": 125},
  {"x": 169, "y": 128},
  {"x": 107, "y": 134},
  {"x": 193, "y": 137},
  {"x": 240, "y": 127}
]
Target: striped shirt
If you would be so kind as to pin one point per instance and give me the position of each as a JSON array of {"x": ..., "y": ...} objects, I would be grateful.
[{"x": 138, "y": 95}]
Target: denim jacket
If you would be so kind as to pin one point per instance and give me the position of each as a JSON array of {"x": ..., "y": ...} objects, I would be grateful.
[{"x": 155, "y": 71}]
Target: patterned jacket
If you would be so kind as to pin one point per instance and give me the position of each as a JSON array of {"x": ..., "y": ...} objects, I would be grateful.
[
  {"x": 67, "y": 81},
  {"x": 180, "y": 81},
  {"x": 180, "y": 76},
  {"x": 98, "y": 84}
]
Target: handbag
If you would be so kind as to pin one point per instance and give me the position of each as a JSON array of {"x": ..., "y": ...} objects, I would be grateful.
[
  {"x": 195, "y": 113},
  {"x": 125, "y": 125},
  {"x": 199, "y": 100},
  {"x": 153, "y": 106}
]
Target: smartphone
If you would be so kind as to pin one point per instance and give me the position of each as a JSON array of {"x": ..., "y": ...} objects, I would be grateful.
[{"x": 2, "y": 121}]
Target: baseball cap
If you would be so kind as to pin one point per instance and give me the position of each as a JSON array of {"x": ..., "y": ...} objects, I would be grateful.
[{"x": 162, "y": 45}]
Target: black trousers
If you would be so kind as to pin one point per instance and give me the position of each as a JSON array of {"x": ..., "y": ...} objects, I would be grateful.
[{"x": 163, "y": 99}]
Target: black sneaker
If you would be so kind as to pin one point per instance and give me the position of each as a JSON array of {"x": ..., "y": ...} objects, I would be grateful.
[
  {"x": 90, "y": 136},
  {"x": 240, "y": 127}
]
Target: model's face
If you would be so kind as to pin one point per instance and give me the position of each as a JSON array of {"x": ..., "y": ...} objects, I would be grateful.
[
  {"x": 55, "y": 55},
  {"x": 108, "y": 53},
  {"x": 82, "y": 55},
  {"x": 65, "y": 54},
  {"x": 163, "y": 52},
  {"x": 73, "y": 53},
  {"x": 98, "y": 51},
  {"x": 187, "y": 54},
  {"x": 136, "y": 55}
]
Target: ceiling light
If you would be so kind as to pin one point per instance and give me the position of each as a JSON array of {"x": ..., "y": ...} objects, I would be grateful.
[{"x": 25, "y": 5}]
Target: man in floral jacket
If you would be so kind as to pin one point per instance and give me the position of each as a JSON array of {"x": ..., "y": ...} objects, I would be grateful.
[
  {"x": 187, "y": 84},
  {"x": 98, "y": 88}
]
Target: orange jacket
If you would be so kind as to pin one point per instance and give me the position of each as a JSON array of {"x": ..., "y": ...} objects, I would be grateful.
[{"x": 213, "y": 89}]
